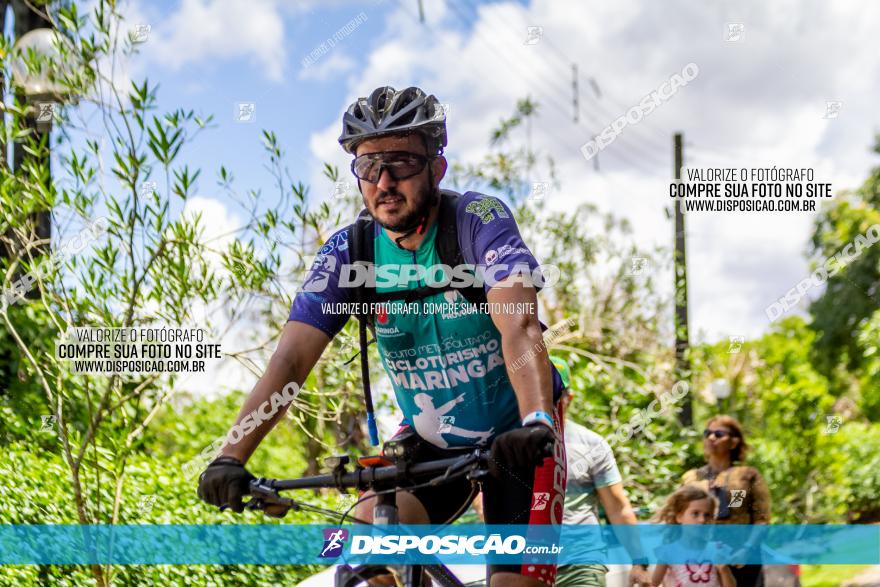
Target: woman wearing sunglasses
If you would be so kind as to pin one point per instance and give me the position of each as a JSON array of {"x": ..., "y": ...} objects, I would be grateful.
[{"x": 741, "y": 491}]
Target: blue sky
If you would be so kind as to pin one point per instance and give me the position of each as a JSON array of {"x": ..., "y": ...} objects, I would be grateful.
[
  {"x": 291, "y": 107},
  {"x": 760, "y": 100},
  {"x": 291, "y": 99}
]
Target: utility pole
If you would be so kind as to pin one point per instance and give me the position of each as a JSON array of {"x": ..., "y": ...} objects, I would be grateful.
[{"x": 682, "y": 362}]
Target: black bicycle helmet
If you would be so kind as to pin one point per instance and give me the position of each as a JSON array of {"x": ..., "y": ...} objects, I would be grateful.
[{"x": 389, "y": 112}]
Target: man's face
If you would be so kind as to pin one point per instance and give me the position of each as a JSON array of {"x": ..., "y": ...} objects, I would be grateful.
[{"x": 396, "y": 204}]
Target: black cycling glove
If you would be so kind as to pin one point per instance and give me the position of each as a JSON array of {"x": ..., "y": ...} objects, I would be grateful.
[
  {"x": 224, "y": 483},
  {"x": 520, "y": 451}
]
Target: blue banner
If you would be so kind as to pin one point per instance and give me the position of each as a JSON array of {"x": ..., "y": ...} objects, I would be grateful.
[{"x": 457, "y": 544}]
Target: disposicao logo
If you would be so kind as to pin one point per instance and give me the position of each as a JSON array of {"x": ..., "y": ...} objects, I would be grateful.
[{"x": 334, "y": 539}]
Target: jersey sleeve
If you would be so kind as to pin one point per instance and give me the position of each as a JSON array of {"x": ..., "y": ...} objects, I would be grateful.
[
  {"x": 489, "y": 239},
  {"x": 319, "y": 300}
]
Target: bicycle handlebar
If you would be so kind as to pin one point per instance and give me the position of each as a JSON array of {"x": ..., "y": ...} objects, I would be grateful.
[
  {"x": 401, "y": 474},
  {"x": 363, "y": 478},
  {"x": 264, "y": 491}
]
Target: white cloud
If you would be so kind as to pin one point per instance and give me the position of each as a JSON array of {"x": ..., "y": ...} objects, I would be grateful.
[
  {"x": 218, "y": 225},
  {"x": 759, "y": 102},
  {"x": 205, "y": 31},
  {"x": 329, "y": 67}
]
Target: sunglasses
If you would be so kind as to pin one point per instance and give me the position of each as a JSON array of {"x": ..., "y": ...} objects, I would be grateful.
[
  {"x": 400, "y": 164},
  {"x": 715, "y": 433}
]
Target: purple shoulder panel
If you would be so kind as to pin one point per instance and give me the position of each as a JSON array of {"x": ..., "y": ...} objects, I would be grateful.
[{"x": 321, "y": 287}]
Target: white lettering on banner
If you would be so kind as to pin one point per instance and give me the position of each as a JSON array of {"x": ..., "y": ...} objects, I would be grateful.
[
  {"x": 432, "y": 544},
  {"x": 361, "y": 544}
]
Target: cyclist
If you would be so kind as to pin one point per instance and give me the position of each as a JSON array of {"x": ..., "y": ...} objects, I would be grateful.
[{"x": 452, "y": 371}]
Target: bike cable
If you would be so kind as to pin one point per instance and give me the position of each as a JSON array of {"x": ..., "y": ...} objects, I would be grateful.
[
  {"x": 331, "y": 513},
  {"x": 464, "y": 506},
  {"x": 351, "y": 507}
]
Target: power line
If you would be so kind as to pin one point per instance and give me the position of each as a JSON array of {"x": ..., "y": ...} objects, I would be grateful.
[
  {"x": 556, "y": 89},
  {"x": 650, "y": 157},
  {"x": 563, "y": 69},
  {"x": 662, "y": 135},
  {"x": 555, "y": 103}
]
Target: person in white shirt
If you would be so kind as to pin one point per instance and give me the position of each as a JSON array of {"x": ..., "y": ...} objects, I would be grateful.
[{"x": 593, "y": 478}]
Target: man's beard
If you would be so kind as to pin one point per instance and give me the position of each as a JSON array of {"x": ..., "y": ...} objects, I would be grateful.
[{"x": 425, "y": 199}]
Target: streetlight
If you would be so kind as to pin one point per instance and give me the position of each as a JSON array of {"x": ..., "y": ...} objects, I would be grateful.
[
  {"x": 720, "y": 390},
  {"x": 35, "y": 71},
  {"x": 39, "y": 84}
]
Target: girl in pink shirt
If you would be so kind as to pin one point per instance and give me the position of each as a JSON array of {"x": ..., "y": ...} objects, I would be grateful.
[{"x": 690, "y": 505}]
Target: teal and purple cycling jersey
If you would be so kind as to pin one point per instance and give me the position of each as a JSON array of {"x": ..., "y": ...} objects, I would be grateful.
[{"x": 444, "y": 360}]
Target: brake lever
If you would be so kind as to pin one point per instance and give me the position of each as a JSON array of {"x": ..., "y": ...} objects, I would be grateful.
[
  {"x": 480, "y": 471},
  {"x": 265, "y": 498},
  {"x": 462, "y": 463}
]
